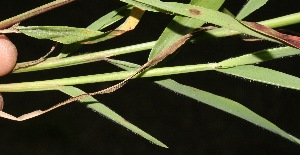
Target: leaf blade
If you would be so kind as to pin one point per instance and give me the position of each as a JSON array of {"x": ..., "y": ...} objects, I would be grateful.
[
  {"x": 226, "y": 105},
  {"x": 99, "y": 24},
  {"x": 110, "y": 18},
  {"x": 62, "y": 34},
  {"x": 182, "y": 25},
  {"x": 260, "y": 56},
  {"x": 95, "y": 105},
  {"x": 264, "y": 75},
  {"x": 250, "y": 7}
]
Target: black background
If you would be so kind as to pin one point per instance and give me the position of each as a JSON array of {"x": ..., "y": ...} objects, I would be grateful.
[{"x": 186, "y": 126}]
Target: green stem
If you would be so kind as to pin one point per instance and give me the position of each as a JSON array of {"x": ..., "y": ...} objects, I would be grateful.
[
  {"x": 21, "y": 17},
  {"x": 53, "y": 84},
  {"x": 282, "y": 21},
  {"x": 85, "y": 58}
]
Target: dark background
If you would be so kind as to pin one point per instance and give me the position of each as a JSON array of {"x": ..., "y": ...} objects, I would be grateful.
[{"x": 185, "y": 125}]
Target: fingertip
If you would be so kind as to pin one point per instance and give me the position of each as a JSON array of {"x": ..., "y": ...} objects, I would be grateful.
[{"x": 8, "y": 55}]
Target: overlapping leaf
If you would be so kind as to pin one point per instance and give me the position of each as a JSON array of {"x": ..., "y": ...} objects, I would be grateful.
[
  {"x": 208, "y": 98},
  {"x": 218, "y": 18},
  {"x": 99, "y": 24},
  {"x": 200, "y": 13},
  {"x": 180, "y": 26},
  {"x": 234, "y": 66}
]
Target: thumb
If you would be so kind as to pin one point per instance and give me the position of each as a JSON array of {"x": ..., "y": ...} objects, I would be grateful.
[{"x": 8, "y": 55}]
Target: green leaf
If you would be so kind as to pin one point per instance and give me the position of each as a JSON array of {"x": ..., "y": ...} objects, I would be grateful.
[
  {"x": 216, "y": 101},
  {"x": 201, "y": 13},
  {"x": 62, "y": 34},
  {"x": 105, "y": 111},
  {"x": 258, "y": 57},
  {"x": 226, "y": 105},
  {"x": 180, "y": 26},
  {"x": 250, "y": 7},
  {"x": 110, "y": 18},
  {"x": 99, "y": 24},
  {"x": 67, "y": 35},
  {"x": 264, "y": 75}
]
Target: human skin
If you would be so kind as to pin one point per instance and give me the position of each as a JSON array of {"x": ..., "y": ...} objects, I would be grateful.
[{"x": 8, "y": 55}]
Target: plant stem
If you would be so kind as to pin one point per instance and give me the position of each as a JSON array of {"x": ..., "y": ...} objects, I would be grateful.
[
  {"x": 53, "y": 84},
  {"x": 39, "y": 10},
  {"x": 282, "y": 21},
  {"x": 85, "y": 58}
]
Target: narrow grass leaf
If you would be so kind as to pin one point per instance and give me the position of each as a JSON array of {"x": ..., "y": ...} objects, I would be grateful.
[
  {"x": 264, "y": 75},
  {"x": 61, "y": 34},
  {"x": 250, "y": 7},
  {"x": 105, "y": 111},
  {"x": 226, "y": 105},
  {"x": 99, "y": 24},
  {"x": 180, "y": 26},
  {"x": 260, "y": 56},
  {"x": 110, "y": 18},
  {"x": 129, "y": 24}
]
